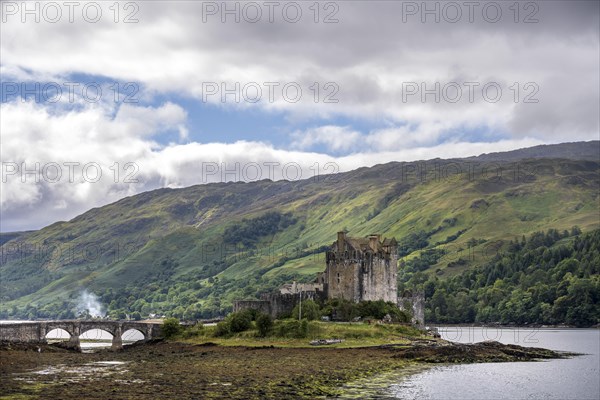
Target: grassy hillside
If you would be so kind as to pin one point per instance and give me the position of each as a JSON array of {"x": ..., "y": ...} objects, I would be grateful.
[{"x": 189, "y": 252}]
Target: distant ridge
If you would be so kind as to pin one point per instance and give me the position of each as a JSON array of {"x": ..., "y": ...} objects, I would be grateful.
[
  {"x": 8, "y": 236},
  {"x": 571, "y": 151}
]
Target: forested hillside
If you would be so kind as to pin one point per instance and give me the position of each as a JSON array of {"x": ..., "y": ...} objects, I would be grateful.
[
  {"x": 547, "y": 278},
  {"x": 190, "y": 252}
]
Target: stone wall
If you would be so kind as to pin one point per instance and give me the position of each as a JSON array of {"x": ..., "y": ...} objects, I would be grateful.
[
  {"x": 342, "y": 280},
  {"x": 275, "y": 304},
  {"x": 379, "y": 280},
  {"x": 263, "y": 306},
  {"x": 360, "y": 269},
  {"x": 361, "y": 280},
  {"x": 414, "y": 303},
  {"x": 283, "y": 304},
  {"x": 22, "y": 332},
  {"x": 295, "y": 287}
]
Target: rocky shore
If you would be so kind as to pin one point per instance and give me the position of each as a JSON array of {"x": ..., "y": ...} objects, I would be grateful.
[{"x": 162, "y": 370}]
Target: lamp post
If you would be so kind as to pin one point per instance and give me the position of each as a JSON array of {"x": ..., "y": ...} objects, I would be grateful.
[{"x": 300, "y": 306}]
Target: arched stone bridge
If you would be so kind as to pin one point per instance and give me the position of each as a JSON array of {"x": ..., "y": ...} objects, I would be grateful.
[{"x": 35, "y": 332}]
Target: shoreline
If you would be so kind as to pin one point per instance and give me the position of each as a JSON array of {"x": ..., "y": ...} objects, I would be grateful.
[
  {"x": 536, "y": 326},
  {"x": 163, "y": 369}
]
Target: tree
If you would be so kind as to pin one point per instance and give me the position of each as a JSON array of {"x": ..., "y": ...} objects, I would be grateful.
[
  {"x": 438, "y": 303},
  {"x": 310, "y": 310},
  {"x": 222, "y": 329},
  {"x": 264, "y": 324},
  {"x": 171, "y": 327},
  {"x": 239, "y": 322}
]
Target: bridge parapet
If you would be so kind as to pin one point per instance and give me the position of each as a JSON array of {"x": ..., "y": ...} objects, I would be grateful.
[{"x": 35, "y": 332}]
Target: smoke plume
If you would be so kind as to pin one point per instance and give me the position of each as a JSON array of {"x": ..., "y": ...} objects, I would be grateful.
[{"x": 88, "y": 304}]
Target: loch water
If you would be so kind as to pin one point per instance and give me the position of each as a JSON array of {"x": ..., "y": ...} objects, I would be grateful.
[{"x": 574, "y": 378}]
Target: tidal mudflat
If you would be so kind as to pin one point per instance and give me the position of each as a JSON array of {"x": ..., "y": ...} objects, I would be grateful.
[{"x": 190, "y": 371}]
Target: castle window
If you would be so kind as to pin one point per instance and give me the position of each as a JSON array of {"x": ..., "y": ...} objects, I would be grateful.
[{"x": 338, "y": 278}]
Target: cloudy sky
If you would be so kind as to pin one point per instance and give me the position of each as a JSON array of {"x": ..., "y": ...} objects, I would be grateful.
[{"x": 101, "y": 101}]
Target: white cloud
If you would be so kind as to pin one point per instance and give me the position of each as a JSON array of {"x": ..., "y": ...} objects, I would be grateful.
[
  {"x": 370, "y": 54},
  {"x": 335, "y": 138},
  {"x": 68, "y": 161},
  {"x": 94, "y": 139}
]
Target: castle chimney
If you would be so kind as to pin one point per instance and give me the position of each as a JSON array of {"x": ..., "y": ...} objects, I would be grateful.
[
  {"x": 373, "y": 242},
  {"x": 340, "y": 242}
]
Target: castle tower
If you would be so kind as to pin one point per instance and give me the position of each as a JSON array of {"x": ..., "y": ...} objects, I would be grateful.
[{"x": 360, "y": 269}]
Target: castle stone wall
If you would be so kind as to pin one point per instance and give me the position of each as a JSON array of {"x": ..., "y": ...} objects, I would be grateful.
[
  {"x": 378, "y": 280},
  {"x": 264, "y": 306},
  {"x": 414, "y": 303},
  {"x": 361, "y": 273},
  {"x": 275, "y": 304},
  {"x": 342, "y": 277}
]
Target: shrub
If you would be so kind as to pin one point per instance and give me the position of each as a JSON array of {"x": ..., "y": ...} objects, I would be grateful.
[
  {"x": 249, "y": 313},
  {"x": 239, "y": 321},
  {"x": 193, "y": 331},
  {"x": 222, "y": 329},
  {"x": 303, "y": 331},
  {"x": 310, "y": 310},
  {"x": 375, "y": 309},
  {"x": 346, "y": 311},
  {"x": 264, "y": 324},
  {"x": 292, "y": 329},
  {"x": 171, "y": 327}
]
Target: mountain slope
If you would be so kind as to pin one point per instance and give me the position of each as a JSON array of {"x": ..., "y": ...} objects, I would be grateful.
[
  {"x": 571, "y": 151},
  {"x": 191, "y": 251}
]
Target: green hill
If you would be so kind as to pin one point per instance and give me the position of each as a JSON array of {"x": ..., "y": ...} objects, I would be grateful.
[
  {"x": 189, "y": 252},
  {"x": 548, "y": 278}
]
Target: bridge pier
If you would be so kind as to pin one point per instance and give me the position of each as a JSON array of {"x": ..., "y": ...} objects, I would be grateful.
[
  {"x": 42, "y": 331},
  {"x": 74, "y": 339},
  {"x": 117, "y": 341},
  {"x": 74, "y": 342}
]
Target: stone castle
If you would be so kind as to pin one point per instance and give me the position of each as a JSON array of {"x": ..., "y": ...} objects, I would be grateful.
[
  {"x": 361, "y": 269},
  {"x": 357, "y": 269}
]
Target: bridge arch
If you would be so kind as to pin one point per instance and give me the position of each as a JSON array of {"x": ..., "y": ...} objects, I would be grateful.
[
  {"x": 92, "y": 333},
  {"x": 132, "y": 335},
  {"x": 98, "y": 335},
  {"x": 70, "y": 327},
  {"x": 147, "y": 330},
  {"x": 57, "y": 334}
]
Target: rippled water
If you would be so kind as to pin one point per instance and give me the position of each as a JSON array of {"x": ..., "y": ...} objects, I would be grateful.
[{"x": 576, "y": 378}]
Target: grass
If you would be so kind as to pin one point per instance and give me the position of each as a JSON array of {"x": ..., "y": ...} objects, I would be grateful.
[
  {"x": 354, "y": 335},
  {"x": 305, "y": 266}
]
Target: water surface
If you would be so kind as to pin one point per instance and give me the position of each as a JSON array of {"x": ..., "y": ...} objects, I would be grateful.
[{"x": 575, "y": 378}]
